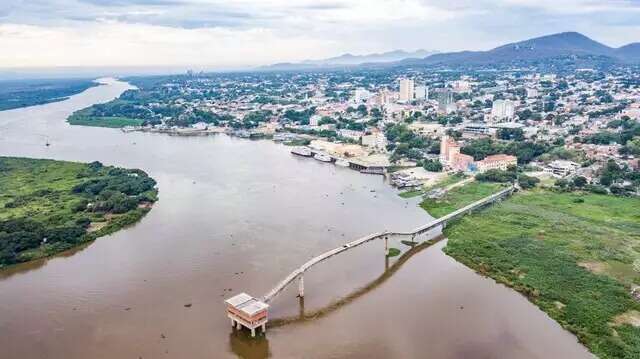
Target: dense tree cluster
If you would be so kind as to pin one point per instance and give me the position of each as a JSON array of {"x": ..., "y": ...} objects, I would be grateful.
[
  {"x": 101, "y": 190},
  {"x": 526, "y": 151}
]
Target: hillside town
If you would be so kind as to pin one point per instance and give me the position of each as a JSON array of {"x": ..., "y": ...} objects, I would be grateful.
[{"x": 582, "y": 123}]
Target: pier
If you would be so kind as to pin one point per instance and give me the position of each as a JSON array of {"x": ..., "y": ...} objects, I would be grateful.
[{"x": 298, "y": 273}]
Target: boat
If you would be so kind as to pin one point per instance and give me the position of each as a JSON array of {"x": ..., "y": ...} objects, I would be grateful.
[
  {"x": 301, "y": 151},
  {"x": 342, "y": 163},
  {"x": 322, "y": 157}
]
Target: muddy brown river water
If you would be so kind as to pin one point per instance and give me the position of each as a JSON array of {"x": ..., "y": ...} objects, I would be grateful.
[{"x": 237, "y": 215}]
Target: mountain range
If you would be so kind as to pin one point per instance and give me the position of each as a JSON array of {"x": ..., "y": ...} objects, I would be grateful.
[
  {"x": 353, "y": 60},
  {"x": 565, "y": 44},
  {"x": 571, "y": 46}
]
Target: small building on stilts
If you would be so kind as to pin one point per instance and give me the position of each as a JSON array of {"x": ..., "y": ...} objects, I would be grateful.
[{"x": 247, "y": 311}]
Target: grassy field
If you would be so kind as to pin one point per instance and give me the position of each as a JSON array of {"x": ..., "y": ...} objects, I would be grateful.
[
  {"x": 112, "y": 122},
  {"x": 576, "y": 256},
  {"x": 459, "y": 197},
  {"x": 66, "y": 202}
]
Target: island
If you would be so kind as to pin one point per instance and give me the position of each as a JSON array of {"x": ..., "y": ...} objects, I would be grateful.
[
  {"x": 24, "y": 93},
  {"x": 48, "y": 206}
]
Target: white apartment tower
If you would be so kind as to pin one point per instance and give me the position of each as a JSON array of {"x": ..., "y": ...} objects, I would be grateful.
[
  {"x": 421, "y": 92},
  {"x": 406, "y": 90},
  {"x": 503, "y": 110}
]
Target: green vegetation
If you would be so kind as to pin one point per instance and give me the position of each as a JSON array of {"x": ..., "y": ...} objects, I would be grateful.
[
  {"x": 50, "y": 206},
  {"x": 459, "y": 197},
  {"x": 411, "y": 193},
  {"x": 575, "y": 255},
  {"x": 23, "y": 93},
  {"x": 393, "y": 252},
  {"x": 86, "y": 117}
]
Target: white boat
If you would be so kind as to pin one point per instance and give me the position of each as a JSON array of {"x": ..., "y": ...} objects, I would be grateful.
[
  {"x": 342, "y": 163},
  {"x": 301, "y": 151},
  {"x": 322, "y": 157}
]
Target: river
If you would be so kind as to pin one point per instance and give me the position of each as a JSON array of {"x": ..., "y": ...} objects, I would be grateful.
[{"x": 238, "y": 215}]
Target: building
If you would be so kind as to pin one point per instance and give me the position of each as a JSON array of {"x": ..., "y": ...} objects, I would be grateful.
[
  {"x": 531, "y": 92},
  {"x": 448, "y": 146},
  {"x": 496, "y": 162},
  {"x": 433, "y": 130},
  {"x": 376, "y": 140},
  {"x": 406, "y": 90},
  {"x": 245, "y": 310},
  {"x": 450, "y": 155},
  {"x": 350, "y": 134},
  {"x": 503, "y": 109},
  {"x": 360, "y": 96},
  {"x": 476, "y": 130},
  {"x": 445, "y": 101},
  {"x": 561, "y": 168},
  {"x": 461, "y": 86},
  {"x": 314, "y": 120},
  {"x": 421, "y": 93}
]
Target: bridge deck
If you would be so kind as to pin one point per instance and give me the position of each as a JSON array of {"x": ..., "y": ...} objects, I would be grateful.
[{"x": 420, "y": 230}]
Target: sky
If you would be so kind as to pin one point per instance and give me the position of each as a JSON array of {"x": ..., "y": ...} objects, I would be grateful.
[{"x": 219, "y": 34}]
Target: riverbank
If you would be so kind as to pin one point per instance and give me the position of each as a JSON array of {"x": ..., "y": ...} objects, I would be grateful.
[
  {"x": 574, "y": 255},
  {"x": 47, "y": 206}
]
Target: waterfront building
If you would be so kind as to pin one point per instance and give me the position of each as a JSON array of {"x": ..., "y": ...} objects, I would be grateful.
[
  {"x": 376, "y": 140},
  {"x": 245, "y": 310},
  {"x": 406, "y": 90},
  {"x": 496, "y": 162}
]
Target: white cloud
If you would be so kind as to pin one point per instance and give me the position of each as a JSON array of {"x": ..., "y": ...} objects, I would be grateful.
[{"x": 119, "y": 44}]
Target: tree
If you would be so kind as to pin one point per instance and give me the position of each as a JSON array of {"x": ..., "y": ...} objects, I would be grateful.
[
  {"x": 514, "y": 134},
  {"x": 527, "y": 182},
  {"x": 579, "y": 181},
  {"x": 432, "y": 165}
]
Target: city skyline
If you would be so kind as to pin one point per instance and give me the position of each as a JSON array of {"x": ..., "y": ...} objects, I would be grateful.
[{"x": 217, "y": 35}]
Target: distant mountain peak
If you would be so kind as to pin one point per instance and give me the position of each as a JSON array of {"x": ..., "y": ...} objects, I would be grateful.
[{"x": 564, "y": 44}]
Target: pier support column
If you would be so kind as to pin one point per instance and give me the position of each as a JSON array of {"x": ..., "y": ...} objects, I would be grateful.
[
  {"x": 301, "y": 286},
  {"x": 386, "y": 246},
  {"x": 233, "y": 323},
  {"x": 253, "y": 332},
  {"x": 238, "y": 326},
  {"x": 264, "y": 328}
]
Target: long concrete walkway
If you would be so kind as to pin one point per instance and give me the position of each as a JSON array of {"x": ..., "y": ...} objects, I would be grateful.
[{"x": 442, "y": 221}]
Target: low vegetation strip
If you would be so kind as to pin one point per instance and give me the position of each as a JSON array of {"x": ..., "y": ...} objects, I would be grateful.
[
  {"x": 50, "y": 206},
  {"x": 23, "y": 93},
  {"x": 459, "y": 197},
  {"x": 574, "y": 255},
  {"x": 87, "y": 117}
]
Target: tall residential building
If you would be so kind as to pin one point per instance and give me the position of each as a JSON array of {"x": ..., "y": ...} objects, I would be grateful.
[
  {"x": 445, "y": 100},
  {"x": 503, "y": 110},
  {"x": 406, "y": 90},
  {"x": 421, "y": 92}
]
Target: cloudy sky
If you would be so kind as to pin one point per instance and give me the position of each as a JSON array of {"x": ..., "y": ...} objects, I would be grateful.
[{"x": 236, "y": 33}]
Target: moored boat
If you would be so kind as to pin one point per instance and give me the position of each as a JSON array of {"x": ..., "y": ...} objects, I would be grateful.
[
  {"x": 301, "y": 151},
  {"x": 322, "y": 157}
]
